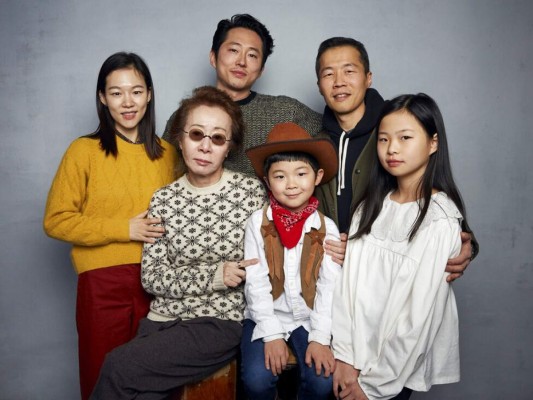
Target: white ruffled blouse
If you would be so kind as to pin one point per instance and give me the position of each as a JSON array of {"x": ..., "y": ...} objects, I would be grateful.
[{"x": 394, "y": 314}]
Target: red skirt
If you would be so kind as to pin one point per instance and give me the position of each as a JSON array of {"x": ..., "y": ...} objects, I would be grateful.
[{"x": 110, "y": 303}]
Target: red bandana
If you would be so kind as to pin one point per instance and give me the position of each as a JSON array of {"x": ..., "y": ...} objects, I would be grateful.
[{"x": 291, "y": 224}]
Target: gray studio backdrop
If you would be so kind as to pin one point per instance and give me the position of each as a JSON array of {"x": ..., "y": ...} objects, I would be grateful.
[{"x": 474, "y": 57}]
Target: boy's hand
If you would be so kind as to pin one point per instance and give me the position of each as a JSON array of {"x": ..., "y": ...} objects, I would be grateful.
[
  {"x": 457, "y": 266},
  {"x": 345, "y": 379},
  {"x": 276, "y": 356},
  {"x": 335, "y": 249},
  {"x": 322, "y": 357},
  {"x": 235, "y": 271}
]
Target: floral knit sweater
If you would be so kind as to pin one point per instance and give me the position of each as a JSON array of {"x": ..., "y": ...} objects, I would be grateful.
[
  {"x": 204, "y": 228},
  {"x": 93, "y": 197}
]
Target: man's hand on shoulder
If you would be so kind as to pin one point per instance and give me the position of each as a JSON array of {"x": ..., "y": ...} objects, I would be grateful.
[{"x": 457, "y": 266}]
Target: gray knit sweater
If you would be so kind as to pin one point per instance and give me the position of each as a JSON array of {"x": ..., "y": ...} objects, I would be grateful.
[
  {"x": 260, "y": 113},
  {"x": 204, "y": 228}
]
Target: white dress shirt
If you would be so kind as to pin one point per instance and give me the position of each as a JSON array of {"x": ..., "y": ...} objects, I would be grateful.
[{"x": 277, "y": 319}]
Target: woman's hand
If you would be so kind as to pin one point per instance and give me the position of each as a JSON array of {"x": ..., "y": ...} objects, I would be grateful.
[
  {"x": 457, "y": 266},
  {"x": 336, "y": 250},
  {"x": 142, "y": 229},
  {"x": 276, "y": 356},
  {"x": 235, "y": 271}
]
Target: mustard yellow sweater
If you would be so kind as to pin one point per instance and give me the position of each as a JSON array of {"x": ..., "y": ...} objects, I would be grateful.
[{"x": 93, "y": 197}]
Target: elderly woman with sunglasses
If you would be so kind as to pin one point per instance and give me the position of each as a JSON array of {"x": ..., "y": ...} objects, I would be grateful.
[{"x": 195, "y": 270}]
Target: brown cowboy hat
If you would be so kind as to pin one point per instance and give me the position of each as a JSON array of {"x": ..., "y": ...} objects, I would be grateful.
[{"x": 289, "y": 136}]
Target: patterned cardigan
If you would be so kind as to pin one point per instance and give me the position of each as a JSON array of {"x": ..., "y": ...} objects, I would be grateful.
[{"x": 204, "y": 228}]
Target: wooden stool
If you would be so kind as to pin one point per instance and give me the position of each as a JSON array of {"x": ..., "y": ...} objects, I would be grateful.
[
  {"x": 222, "y": 385},
  {"x": 291, "y": 362}
]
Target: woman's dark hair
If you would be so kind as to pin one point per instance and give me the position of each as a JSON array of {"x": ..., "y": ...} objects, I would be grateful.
[
  {"x": 211, "y": 97},
  {"x": 243, "y": 21},
  {"x": 438, "y": 173},
  {"x": 106, "y": 131},
  {"x": 290, "y": 156}
]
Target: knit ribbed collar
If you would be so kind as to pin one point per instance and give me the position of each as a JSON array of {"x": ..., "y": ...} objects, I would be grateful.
[
  {"x": 247, "y": 99},
  {"x": 214, "y": 188}
]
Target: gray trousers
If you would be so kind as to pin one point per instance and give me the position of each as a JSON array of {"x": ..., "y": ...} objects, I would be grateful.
[{"x": 166, "y": 355}]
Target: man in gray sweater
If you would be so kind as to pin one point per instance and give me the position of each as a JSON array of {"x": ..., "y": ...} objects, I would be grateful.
[{"x": 241, "y": 46}]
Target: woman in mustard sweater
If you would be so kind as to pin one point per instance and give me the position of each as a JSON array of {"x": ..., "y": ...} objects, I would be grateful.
[{"x": 98, "y": 202}]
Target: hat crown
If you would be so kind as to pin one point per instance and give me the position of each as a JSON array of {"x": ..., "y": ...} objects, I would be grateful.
[
  {"x": 290, "y": 137},
  {"x": 286, "y": 132}
]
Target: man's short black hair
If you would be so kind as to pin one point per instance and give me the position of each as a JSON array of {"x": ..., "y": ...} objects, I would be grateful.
[
  {"x": 243, "y": 21},
  {"x": 338, "y": 42}
]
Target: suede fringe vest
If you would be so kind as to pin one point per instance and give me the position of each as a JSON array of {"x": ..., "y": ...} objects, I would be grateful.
[{"x": 312, "y": 254}]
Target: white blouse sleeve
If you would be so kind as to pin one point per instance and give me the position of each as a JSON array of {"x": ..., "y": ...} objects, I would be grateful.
[
  {"x": 329, "y": 271},
  {"x": 343, "y": 300},
  {"x": 414, "y": 313}
]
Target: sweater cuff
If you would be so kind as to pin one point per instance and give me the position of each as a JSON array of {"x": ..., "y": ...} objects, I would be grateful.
[
  {"x": 218, "y": 281},
  {"x": 118, "y": 230}
]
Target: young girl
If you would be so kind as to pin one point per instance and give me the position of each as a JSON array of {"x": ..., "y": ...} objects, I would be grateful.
[
  {"x": 395, "y": 324},
  {"x": 98, "y": 202}
]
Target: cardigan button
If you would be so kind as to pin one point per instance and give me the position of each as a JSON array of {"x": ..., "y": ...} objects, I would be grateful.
[{"x": 357, "y": 171}]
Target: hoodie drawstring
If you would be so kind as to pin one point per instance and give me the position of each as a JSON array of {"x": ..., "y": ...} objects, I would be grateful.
[{"x": 343, "y": 150}]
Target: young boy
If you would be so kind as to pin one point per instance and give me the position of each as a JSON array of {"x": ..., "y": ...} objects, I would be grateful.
[{"x": 289, "y": 292}]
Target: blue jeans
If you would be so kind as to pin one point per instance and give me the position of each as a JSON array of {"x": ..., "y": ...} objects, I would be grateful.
[{"x": 259, "y": 383}]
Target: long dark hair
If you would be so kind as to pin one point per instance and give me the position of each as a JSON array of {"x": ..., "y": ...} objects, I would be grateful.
[
  {"x": 106, "y": 131},
  {"x": 438, "y": 173}
]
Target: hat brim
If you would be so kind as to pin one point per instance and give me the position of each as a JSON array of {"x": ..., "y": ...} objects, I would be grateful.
[{"x": 322, "y": 149}]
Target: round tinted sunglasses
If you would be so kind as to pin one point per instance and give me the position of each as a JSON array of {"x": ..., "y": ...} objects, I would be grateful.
[{"x": 197, "y": 135}]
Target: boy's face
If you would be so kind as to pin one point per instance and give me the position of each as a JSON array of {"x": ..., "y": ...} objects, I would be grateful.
[{"x": 292, "y": 183}]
